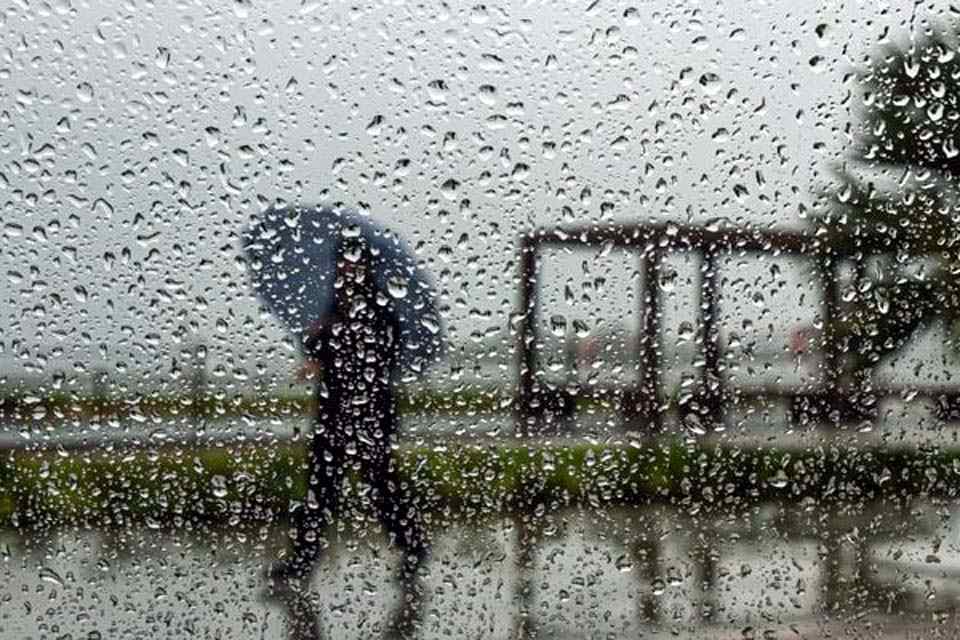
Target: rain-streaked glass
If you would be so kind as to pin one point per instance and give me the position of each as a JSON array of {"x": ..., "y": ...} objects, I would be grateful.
[{"x": 392, "y": 320}]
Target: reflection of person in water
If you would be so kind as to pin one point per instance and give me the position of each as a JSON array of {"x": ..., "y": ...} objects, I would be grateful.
[{"x": 353, "y": 355}]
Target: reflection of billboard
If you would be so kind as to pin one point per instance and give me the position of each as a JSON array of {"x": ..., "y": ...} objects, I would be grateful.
[
  {"x": 801, "y": 340},
  {"x": 588, "y": 349}
]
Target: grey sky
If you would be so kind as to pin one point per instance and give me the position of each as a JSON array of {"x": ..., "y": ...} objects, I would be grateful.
[{"x": 137, "y": 138}]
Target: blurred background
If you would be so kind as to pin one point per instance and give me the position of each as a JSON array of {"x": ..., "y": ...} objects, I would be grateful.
[{"x": 776, "y": 457}]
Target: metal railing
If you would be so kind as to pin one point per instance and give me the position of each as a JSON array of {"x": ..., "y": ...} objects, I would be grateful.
[{"x": 542, "y": 404}]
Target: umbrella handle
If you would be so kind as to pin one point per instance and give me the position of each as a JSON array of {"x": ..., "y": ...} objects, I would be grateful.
[
  {"x": 309, "y": 371},
  {"x": 315, "y": 332}
]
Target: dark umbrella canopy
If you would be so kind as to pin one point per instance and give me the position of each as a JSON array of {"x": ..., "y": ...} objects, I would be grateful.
[{"x": 292, "y": 255}]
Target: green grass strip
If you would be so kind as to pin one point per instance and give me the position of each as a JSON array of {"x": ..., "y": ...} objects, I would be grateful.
[{"x": 183, "y": 488}]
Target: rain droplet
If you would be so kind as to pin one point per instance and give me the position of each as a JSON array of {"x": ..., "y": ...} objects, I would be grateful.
[
  {"x": 581, "y": 329},
  {"x": 883, "y": 303},
  {"x": 449, "y": 189},
  {"x": 430, "y": 324},
  {"x": 162, "y": 59},
  {"x": 488, "y": 94},
  {"x": 219, "y": 486},
  {"x": 397, "y": 287},
  {"x": 376, "y": 126},
  {"x": 212, "y": 137},
  {"x": 241, "y": 8},
  {"x": 911, "y": 66},
  {"x": 102, "y": 207},
  {"x": 710, "y": 83},
  {"x": 520, "y": 171},
  {"x": 692, "y": 422},
  {"x": 49, "y": 575},
  {"x": 845, "y": 193},
  {"x": 658, "y": 587},
  {"x": 437, "y": 90},
  {"x": 479, "y": 14},
  {"x": 780, "y": 480},
  {"x": 668, "y": 279},
  {"x": 84, "y": 92},
  {"x": 558, "y": 325}
]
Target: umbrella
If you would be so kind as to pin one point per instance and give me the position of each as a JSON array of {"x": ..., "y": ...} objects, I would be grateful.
[{"x": 292, "y": 254}]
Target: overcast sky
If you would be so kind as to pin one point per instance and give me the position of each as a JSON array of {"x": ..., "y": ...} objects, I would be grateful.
[{"x": 137, "y": 139}]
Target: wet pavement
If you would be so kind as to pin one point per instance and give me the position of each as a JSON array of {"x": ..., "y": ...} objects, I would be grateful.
[{"x": 582, "y": 582}]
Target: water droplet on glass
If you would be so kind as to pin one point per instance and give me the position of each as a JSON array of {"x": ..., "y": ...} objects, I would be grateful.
[
  {"x": 218, "y": 485},
  {"x": 558, "y": 325},
  {"x": 162, "y": 59},
  {"x": 668, "y": 278},
  {"x": 693, "y": 424},
  {"x": 710, "y": 83},
  {"x": 241, "y": 8},
  {"x": 488, "y": 94},
  {"x": 449, "y": 189},
  {"x": 658, "y": 587},
  {"x": 375, "y": 127},
  {"x": 49, "y": 575},
  {"x": 397, "y": 287},
  {"x": 780, "y": 479},
  {"x": 581, "y": 328},
  {"x": 85, "y": 92}
]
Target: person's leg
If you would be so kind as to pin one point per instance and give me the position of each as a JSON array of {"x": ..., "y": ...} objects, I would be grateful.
[
  {"x": 398, "y": 510},
  {"x": 400, "y": 514},
  {"x": 395, "y": 503},
  {"x": 325, "y": 475},
  {"x": 303, "y": 617},
  {"x": 288, "y": 578}
]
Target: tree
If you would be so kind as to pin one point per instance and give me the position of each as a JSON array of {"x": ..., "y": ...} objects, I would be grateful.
[{"x": 894, "y": 208}]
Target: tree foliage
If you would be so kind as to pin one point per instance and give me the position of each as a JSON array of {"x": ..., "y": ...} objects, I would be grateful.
[{"x": 893, "y": 206}]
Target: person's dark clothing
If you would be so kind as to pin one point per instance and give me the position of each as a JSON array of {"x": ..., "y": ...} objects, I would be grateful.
[{"x": 355, "y": 423}]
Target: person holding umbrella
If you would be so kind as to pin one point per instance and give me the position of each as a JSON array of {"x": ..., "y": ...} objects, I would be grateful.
[{"x": 369, "y": 316}]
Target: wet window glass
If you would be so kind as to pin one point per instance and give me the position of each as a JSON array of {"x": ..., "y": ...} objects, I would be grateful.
[{"x": 442, "y": 320}]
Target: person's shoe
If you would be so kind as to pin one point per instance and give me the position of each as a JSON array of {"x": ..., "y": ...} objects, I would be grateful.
[
  {"x": 405, "y": 619},
  {"x": 303, "y": 617},
  {"x": 281, "y": 584},
  {"x": 291, "y": 593}
]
